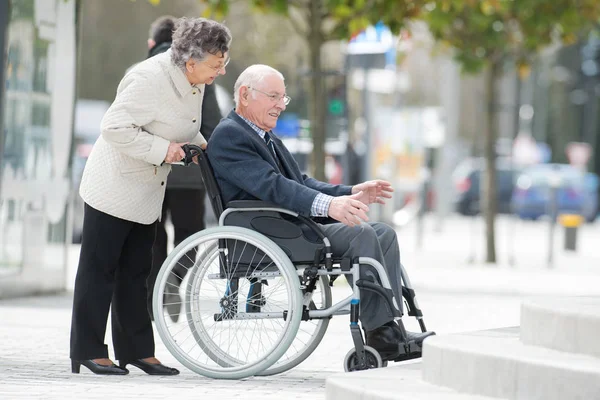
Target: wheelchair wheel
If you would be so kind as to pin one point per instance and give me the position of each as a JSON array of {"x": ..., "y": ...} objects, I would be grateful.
[
  {"x": 218, "y": 337},
  {"x": 373, "y": 360},
  {"x": 309, "y": 334}
]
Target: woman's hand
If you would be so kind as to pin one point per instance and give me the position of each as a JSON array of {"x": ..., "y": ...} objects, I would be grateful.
[{"x": 175, "y": 153}]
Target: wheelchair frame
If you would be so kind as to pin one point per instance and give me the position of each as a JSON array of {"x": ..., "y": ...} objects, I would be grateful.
[{"x": 361, "y": 356}]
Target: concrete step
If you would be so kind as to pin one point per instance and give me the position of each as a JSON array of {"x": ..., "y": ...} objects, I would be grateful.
[
  {"x": 569, "y": 324},
  {"x": 497, "y": 364},
  {"x": 398, "y": 382}
]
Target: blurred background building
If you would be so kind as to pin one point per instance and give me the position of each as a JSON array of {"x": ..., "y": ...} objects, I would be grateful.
[
  {"x": 398, "y": 108},
  {"x": 38, "y": 74}
]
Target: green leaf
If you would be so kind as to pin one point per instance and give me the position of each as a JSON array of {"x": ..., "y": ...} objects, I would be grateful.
[{"x": 342, "y": 11}]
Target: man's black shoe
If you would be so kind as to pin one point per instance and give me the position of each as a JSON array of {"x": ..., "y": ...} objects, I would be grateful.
[
  {"x": 385, "y": 340},
  {"x": 388, "y": 340},
  {"x": 418, "y": 337}
]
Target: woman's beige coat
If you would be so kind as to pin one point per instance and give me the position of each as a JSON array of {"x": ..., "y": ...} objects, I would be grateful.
[{"x": 155, "y": 105}]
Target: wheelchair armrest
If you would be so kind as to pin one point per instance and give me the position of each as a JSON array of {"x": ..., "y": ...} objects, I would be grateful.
[
  {"x": 254, "y": 204},
  {"x": 259, "y": 205}
]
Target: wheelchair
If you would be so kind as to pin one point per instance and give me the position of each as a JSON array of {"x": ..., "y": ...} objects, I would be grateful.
[{"x": 256, "y": 298}]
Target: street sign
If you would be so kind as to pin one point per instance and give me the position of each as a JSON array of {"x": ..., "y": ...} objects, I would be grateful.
[
  {"x": 578, "y": 153},
  {"x": 375, "y": 39},
  {"x": 363, "y": 48}
]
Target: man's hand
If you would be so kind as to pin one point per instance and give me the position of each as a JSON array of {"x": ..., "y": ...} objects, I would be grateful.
[
  {"x": 175, "y": 153},
  {"x": 349, "y": 210},
  {"x": 373, "y": 191}
]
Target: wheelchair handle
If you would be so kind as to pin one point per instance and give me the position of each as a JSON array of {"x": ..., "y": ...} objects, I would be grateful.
[{"x": 191, "y": 151}]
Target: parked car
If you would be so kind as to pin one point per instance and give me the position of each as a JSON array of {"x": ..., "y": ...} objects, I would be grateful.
[
  {"x": 577, "y": 192},
  {"x": 467, "y": 178}
]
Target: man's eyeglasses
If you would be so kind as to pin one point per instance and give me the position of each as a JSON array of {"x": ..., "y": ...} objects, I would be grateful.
[
  {"x": 221, "y": 67},
  {"x": 275, "y": 97}
]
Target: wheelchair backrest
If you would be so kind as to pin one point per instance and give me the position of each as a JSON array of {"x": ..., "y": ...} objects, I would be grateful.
[{"x": 212, "y": 188}]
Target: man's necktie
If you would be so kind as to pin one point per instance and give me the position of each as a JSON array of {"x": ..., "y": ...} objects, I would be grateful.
[{"x": 271, "y": 147}]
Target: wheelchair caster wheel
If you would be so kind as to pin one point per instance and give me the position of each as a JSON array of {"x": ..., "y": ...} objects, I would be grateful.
[
  {"x": 373, "y": 360},
  {"x": 384, "y": 364}
]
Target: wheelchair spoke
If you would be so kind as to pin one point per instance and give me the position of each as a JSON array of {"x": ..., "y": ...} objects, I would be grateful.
[{"x": 309, "y": 333}]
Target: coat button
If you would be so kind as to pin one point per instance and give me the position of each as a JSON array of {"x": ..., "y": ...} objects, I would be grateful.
[
  {"x": 162, "y": 183},
  {"x": 194, "y": 92},
  {"x": 194, "y": 120}
]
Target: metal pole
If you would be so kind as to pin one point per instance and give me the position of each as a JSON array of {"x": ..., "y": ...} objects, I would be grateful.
[
  {"x": 422, "y": 201},
  {"x": 512, "y": 219},
  {"x": 551, "y": 228},
  {"x": 554, "y": 185},
  {"x": 4, "y": 19},
  {"x": 476, "y": 154},
  {"x": 366, "y": 170}
]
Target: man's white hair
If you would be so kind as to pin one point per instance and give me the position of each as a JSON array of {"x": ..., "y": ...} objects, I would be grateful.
[{"x": 252, "y": 77}]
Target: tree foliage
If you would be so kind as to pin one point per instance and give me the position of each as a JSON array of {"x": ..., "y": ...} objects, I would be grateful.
[
  {"x": 488, "y": 33},
  {"x": 341, "y": 18}
]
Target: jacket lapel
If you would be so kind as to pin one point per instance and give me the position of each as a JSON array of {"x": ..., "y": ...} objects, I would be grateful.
[{"x": 284, "y": 157}]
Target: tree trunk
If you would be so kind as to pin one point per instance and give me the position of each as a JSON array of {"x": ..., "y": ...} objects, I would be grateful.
[
  {"x": 490, "y": 197},
  {"x": 317, "y": 95}
]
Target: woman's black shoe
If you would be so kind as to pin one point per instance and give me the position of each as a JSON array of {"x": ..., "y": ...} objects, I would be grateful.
[
  {"x": 151, "y": 369},
  {"x": 98, "y": 368}
]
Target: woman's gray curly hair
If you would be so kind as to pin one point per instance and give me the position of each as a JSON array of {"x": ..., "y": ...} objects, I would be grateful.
[{"x": 196, "y": 38}]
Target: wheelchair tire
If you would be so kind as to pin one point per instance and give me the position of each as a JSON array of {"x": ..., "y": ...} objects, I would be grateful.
[
  {"x": 214, "y": 339},
  {"x": 373, "y": 359},
  {"x": 310, "y": 334},
  {"x": 306, "y": 340}
]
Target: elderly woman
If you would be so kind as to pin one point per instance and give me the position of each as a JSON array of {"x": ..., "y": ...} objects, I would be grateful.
[{"x": 156, "y": 110}]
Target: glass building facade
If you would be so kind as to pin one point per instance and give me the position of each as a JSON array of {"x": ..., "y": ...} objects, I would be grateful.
[{"x": 38, "y": 69}]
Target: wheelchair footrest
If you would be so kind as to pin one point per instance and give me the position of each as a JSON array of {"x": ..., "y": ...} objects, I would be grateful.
[
  {"x": 408, "y": 356},
  {"x": 409, "y": 352}
]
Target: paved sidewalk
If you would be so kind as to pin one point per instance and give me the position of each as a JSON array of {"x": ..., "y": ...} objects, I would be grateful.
[
  {"x": 456, "y": 296},
  {"x": 34, "y": 346}
]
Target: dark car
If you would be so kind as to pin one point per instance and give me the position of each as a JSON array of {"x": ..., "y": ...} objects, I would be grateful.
[{"x": 468, "y": 178}]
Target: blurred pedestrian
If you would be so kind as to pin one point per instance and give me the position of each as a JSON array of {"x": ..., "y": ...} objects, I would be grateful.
[
  {"x": 185, "y": 194},
  {"x": 156, "y": 110}
]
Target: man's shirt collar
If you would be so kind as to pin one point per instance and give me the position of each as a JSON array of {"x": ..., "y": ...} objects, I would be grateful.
[{"x": 260, "y": 131}]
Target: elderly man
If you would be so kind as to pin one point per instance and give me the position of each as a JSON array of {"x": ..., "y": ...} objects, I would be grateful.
[{"x": 251, "y": 163}]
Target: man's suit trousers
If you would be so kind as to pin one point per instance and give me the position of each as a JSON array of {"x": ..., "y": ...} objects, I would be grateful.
[
  {"x": 375, "y": 240},
  {"x": 115, "y": 259}
]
